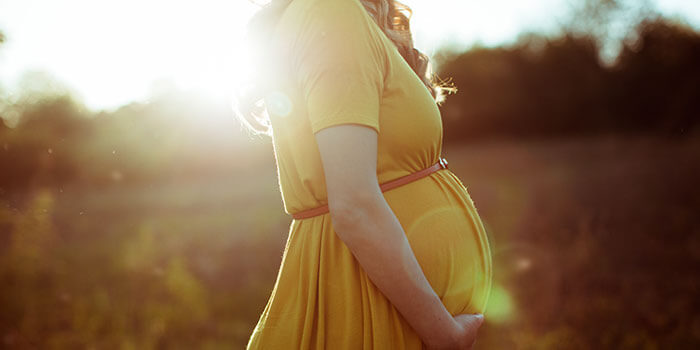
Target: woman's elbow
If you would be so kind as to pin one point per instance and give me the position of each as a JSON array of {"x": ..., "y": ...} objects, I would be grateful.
[{"x": 350, "y": 212}]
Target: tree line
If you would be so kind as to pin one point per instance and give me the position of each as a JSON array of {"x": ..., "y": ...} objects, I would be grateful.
[{"x": 545, "y": 87}]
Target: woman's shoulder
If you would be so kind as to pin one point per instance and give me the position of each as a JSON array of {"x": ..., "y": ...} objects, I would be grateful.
[
  {"x": 330, "y": 31},
  {"x": 319, "y": 9},
  {"x": 304, "y": 18}
]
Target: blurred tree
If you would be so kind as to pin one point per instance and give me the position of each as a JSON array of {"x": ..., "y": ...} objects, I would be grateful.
[
  {"x": 608, "y": 22},
  {"x": 658, "y": 77},
  {"x": 544, "y": 86},
  {"x": 540, "y": 86},
  {"x": 37, "y": 85},
  {"x": 42, "y": 148},
  {"x": 3, "y": 98}
]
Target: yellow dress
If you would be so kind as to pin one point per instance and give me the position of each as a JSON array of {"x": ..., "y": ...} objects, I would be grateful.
[{"x": 336, "y": 66}]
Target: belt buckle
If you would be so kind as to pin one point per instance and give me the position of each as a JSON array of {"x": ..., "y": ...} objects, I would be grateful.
[{"x": 443, "y": 163}]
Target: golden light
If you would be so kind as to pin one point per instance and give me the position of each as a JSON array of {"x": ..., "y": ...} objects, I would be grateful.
[{"x": 114, "y": 53}]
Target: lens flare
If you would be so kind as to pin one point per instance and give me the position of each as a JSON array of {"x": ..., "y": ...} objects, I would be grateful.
[
  {"x": 500, "y": 307},
  {"x": 278, "y": 104}
]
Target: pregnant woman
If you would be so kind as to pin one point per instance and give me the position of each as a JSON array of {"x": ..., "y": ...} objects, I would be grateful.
[{"x": 386, "y": 249}]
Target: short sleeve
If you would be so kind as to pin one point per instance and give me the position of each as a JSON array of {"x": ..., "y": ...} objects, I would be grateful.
[{"x": 339, "y": 64}]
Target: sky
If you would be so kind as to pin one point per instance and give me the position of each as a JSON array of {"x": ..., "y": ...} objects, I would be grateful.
[{"x": 110, "y": 53}]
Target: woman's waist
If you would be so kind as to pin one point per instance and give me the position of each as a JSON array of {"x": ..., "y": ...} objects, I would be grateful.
[
  {"x": 440, "y": 189},
  {"x": 438, "y": 186}
]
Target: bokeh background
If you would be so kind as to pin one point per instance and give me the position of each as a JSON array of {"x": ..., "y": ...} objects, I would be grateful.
[{"x": 158, "y": 223}]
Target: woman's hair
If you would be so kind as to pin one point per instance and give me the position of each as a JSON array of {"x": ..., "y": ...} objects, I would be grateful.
[{"x": 391, "y": 16}]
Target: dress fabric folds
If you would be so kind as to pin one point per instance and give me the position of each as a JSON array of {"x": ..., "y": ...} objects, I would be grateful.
[{"x": 335, "y": 66}]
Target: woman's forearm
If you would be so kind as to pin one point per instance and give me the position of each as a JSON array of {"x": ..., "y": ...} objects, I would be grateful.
[{"x": 375, "y": 237}]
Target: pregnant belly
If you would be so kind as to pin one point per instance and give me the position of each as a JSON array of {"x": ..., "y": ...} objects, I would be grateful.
[{"x": 448, "y": 239}]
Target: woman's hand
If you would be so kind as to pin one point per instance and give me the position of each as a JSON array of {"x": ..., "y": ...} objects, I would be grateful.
[{"x": 464, "y": 333}]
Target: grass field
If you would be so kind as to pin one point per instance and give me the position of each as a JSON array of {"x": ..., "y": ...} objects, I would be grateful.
[
  {"x": 596, "y": 241},
  {"x": 596, "y": 244}
]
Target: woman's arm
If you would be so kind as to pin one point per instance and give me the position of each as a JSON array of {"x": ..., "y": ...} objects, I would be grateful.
[{"x": 364, "y": 221}]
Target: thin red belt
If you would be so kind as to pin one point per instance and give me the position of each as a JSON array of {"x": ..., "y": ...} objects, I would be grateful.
[{"x": 441, "y": 164}]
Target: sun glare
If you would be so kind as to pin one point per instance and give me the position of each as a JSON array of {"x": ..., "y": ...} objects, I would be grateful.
[
  {"x": 113, "y": 52},
  {"x": 197, "y": 45}
]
